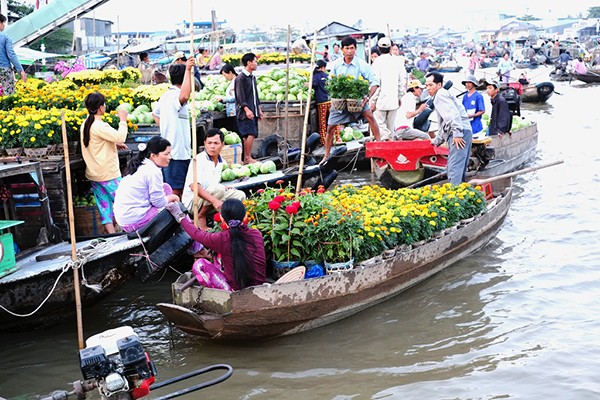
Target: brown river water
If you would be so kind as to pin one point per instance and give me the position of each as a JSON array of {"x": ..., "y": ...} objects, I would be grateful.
[{"x": 516, "y": 320}]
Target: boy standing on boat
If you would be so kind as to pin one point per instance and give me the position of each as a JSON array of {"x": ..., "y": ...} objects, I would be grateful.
[
  {"x": 454, "y": 127},
  {"x": 501, "y": 118},
  {"x": 247, "y": 105}
]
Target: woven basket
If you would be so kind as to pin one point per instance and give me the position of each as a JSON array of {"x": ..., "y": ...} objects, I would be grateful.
[
  {"x": 280, "y": 268},
  {"x": 338, "y": 104},
  {"x": 354, "y": 105},
  {"x": 339, "y": 267},
  {"x": 87, "y": 221},
  {"x": 17, "y": 151},
  {"x": 30, "y": 152}
]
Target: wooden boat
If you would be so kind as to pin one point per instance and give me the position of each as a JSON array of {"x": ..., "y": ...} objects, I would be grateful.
[
  {"x": 39, "y": 291},
  {"x": 279, "y": 309},
  {"x": 590, "y": 76},
  {"x": 417, "y": 162},
  {"x": 537, "y": 93},
  {"x": 560, "y": 76},
  {"x": 45, "y": 272}
]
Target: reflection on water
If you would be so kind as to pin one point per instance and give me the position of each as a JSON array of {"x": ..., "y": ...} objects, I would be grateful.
[{"x": 517, "y": 319}]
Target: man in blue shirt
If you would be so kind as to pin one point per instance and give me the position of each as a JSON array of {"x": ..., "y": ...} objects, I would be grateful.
[
  {"x": 473, "y": 103},
  {"x": 423, "y": 62},
  {"x": 349, "y": 64}
]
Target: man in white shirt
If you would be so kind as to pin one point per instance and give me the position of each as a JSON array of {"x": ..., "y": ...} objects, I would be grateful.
[
  {"x": 391, "y": 74},
  {"x": 407, "y": 112},
  {"x": 209, "y": 165},
  {"x": 172, "y": 116}
]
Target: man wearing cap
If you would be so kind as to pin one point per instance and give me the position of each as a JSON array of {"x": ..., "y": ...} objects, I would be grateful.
[
  {"x": 172, "y": 116},
  {"x": 391, "y": 74},
  {"x": 453, "y": 127},
  {"x": 356, "y": 67},
  {"x": 180, "y": 58},
  {"x": 404, "y": 127},
  {"x": 501, "y": 118},
  {"x": 300, "y": 46},
  {"x": 473, "y": 103}
]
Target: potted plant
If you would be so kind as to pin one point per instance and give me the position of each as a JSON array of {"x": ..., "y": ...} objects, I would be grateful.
[{"x": 343, "y": 88}]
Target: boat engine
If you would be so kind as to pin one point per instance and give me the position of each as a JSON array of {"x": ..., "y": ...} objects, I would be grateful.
[
  {"x": 117, "y": 364},
  {"x": 481, "y": 155}
]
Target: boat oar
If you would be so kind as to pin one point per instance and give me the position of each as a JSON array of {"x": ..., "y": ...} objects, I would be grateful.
[
  {"x": 72, "y": 233},
  {"x": 479, "y": 182},
  {"x": 307, "y": 115}
]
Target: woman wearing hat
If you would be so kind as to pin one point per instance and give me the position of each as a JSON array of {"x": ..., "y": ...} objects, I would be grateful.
[{"x": 473, "y": 103}]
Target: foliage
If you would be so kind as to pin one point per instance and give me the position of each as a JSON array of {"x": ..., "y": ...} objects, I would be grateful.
[
  {"x": 18, "y": 9},
  {"x": 57, "y": 41},
  {"x": 265, "y": 58},
  {"x": 359, "y": 223},
  {"x": 346, "y": 87}
]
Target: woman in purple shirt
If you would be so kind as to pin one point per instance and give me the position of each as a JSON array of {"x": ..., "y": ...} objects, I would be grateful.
[
  {"x": 242, "y": 249},
  {"x": 142, "y": 193}
]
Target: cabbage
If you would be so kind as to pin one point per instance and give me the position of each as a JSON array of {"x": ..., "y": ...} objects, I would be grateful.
[
  {"x": 125, "y": 106},
  {"x": 232, "y": 138},
  {"x": 254, "y": 168},
  {"x": 227, "y": 175},
  {"x": 347, "y": 136},
  {"x": 268, "y": 167},
  {"x": 357, "y": 134},
  {"x": 241, "y": 171}
]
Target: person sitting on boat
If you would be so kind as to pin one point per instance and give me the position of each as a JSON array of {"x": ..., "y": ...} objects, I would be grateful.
[
  {"x": 523, "y": 79},
  {"x": 473, "y": 103},
  {"x": 404, "y": 128},
  {"x": 142, "y": 193},
  {"x": 242, "y": 249},
  {"x": 501, "y": 117},
  {"x": 579, "y": 66},
  {"x": 100, "y": 146},
  {"x": 209, "y": 165}
]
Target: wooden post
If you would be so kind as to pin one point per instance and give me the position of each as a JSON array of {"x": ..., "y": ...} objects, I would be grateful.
[
  {"x": 193, "y": 108},
  {"x": 307, "y": 115},
  {"x": 72, "y": 233}
]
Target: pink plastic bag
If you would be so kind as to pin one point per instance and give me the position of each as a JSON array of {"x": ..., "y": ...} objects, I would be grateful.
[{"x": 210, "y": 275}]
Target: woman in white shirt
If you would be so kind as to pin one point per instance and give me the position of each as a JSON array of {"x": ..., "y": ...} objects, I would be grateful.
[{"x": 142, "y": 193}]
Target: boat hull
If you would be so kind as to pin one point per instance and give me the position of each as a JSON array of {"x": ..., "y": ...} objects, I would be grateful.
[
  {"x": 589, "y": 77},
  {"x": 24, "y": 290},
  {"x": 539, "y": 93},
  {"x": 510, "y": 152},
  {"x": 273, "y": 310}
]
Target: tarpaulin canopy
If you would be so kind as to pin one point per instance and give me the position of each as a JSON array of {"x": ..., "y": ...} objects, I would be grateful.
[{"x": 29, "y": 56}]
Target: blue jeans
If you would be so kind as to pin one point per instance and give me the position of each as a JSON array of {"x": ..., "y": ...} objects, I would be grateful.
[{"x": 458, "y": 159}]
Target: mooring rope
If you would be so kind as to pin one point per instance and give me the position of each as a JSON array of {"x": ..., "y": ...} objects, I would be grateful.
[{"x": 82, "y": 256}]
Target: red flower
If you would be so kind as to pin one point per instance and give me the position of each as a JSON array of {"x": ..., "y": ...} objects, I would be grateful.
[
  {"x": 260, "y": 191},
  {"x": 217, "y": 217},
  {"x": 321, "y": 189},
  {"x": 279, "y": 199},
  {"x": 274, "y": 205},
  {"x": 291, "y": 209},
  {"x": 297, "y": 204},
  {"x": 279, "y": 182},
  {"x": 224, "y": 226}
]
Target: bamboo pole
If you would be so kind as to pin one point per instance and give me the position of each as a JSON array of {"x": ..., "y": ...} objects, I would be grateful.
[
  {"x": 193, "y": 107},
  {"x": 118, "y": 44},
  {"x": 307, "y": 115},
  {"x": 476, "y": 182},
  {"x": 72, "y": 233},
  {"x": 287, "y": 84}
]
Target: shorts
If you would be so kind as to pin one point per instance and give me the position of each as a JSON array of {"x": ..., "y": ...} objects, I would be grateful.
[
  {"x": 104, "y": 192},
  {"x": 248, "y": 127},
  {"x": 175, "y": 173},
  {"x": 341, "y": 117}
]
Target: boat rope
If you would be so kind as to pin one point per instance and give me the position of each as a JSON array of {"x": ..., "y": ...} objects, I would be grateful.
[
  {"x": 81, "y": 257},
  {"x": 352, "y": 162}
]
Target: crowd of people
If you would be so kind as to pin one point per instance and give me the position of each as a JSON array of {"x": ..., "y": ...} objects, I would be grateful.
[{"x": 162, "y": 175}]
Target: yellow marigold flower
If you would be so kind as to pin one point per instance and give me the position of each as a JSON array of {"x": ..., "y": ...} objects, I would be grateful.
[{"x": 432, "y": 223}]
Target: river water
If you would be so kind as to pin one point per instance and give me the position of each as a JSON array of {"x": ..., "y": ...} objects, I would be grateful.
[{"x": 518, "y": 319}]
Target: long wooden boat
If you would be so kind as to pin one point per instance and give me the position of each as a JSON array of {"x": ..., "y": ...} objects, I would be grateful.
[
  {"x": 279, "y": 309},
  {"x": 589, "y": 77},
  {"x": 416, "y": 162},
  {"x": 39, "y": 291},
  {"x": 44, "y": 277}
]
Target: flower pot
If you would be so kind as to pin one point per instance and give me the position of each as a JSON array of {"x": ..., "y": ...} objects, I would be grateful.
[
  {"x": 353, "y": 105},
  {"x": 17, "y": 151},
  {"x": 36, "y": 152},
  {"x": 338, "y": 104}
]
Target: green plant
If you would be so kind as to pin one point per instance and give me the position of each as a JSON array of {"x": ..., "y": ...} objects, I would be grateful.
[{"x": 347, "y": 87}]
